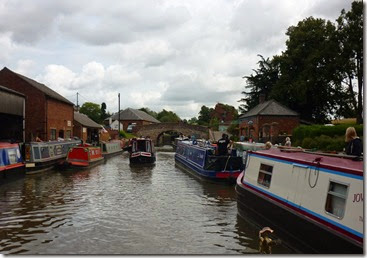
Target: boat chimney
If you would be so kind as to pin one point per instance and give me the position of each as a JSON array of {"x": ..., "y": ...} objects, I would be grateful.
[{"x": 110, "y": 120}]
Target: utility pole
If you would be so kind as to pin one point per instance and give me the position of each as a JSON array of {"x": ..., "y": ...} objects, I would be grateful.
[
  {"x": 119, "y": 116},
  {"x": 77, "y": 102}
]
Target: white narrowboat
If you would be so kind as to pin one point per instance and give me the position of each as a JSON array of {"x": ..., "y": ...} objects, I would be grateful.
[{"x": 313, "y": 201}]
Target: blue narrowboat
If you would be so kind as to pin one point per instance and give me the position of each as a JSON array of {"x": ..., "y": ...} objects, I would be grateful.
[
  {"x": 11, "y": 162},
  {"x": 199, "y": 159}
]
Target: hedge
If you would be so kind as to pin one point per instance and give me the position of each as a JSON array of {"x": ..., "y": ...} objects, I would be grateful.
[{"x": 320, "y": 137}]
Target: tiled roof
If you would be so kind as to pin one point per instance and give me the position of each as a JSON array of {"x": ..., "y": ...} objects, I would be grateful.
[
  {"x": 85, "y": 120},
  {"x": 46, "y": 90},
  {"x": 134, "y": 114},
  {"x": 270, "y": 108}
]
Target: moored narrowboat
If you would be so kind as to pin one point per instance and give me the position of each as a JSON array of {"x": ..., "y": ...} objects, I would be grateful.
[
  {"x": 313, "y": 201},
  {"x": 142, "y": 151},
  {"x": 11, "y": 162},
  {"x": 110, "y": 149},
  {"x": 42, "y": 156},
  {"x": 83, "y": 156},
  {"x": 200, "y": 160}
]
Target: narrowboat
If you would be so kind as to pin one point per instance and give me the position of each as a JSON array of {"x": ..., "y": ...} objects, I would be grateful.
[
  {"x": 142, "y": 151},
  {"x": 42, "y": 156},
  {"x": 11, "y": 162},
  {"x": 313, "y": 201},
  {"x": 83, "y": 156},
  {"x": 199, "y": 159},
  {"x": 110, "y": 149},
  {"x": 242, "y": 148}
]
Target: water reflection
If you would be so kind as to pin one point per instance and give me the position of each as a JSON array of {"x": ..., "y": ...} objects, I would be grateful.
[{"x": 118, "y": 209}]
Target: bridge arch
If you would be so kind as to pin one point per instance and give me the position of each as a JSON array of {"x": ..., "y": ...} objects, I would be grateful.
[{"x": 154, "y": 131}]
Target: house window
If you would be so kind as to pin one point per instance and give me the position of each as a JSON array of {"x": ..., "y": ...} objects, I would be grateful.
[
  {"x": 265, "y": 174},
  {"x": 68, "y": 134},
  {"x": 336, "y": 199},
  {"x": 53, "y": 134}
]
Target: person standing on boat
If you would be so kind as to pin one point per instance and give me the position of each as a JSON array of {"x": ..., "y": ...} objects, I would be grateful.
[
  {"x": 223, "y": 145},
  {"x": 354, "y": 143}
]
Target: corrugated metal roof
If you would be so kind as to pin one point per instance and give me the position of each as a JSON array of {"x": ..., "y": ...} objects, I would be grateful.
[
  {"x": 134, "y": 114},
  {"x": 85, "y": 120},
  {"x": 270, "y": 108},
  {"x": 49, "y": 92},
  {"x": 12, "y": 102}
]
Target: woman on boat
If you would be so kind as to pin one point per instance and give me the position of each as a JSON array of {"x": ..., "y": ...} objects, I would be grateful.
[{"x": 354, "y": 143}]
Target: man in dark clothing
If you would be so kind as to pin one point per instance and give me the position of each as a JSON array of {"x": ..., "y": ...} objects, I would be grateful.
[{"x": 223, "y": 145}]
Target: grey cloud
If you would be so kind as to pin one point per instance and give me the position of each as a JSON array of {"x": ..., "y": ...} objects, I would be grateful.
[{"x": 29, "y": 21}]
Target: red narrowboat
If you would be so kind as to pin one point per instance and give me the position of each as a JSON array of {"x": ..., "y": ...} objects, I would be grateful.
[{"x": 84, "y": 156}]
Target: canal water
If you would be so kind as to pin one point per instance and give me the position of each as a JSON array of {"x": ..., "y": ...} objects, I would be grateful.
[{"x": 117, "y": 209}]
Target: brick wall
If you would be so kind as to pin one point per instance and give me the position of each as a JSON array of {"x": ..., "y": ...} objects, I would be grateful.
[
  {"x": 40, "y": 113},
  {"x": 284, "y": 125},
  {"x": 60, "y": 116}
]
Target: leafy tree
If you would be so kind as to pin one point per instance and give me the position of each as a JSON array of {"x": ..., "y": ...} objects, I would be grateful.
[
  {"x": 92, "y": 110},
  {"x": 308, "y": 83},
  {"x": 214, "y": 123},
  {"x": 261, "y": 82},
  {"x": 104, "y": 115},
  {"x": 204, "y": 115},
  {"x": 168, "y": 116},
  {"x": 350, "y": 36},
  {"x": 193, "y": 121}
]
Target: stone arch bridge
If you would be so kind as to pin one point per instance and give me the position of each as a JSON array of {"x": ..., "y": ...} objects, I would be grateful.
[{"x": 155, "y": 131}]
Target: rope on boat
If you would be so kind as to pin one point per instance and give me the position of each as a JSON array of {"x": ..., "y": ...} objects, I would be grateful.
[{"x": 317, "y": 170}]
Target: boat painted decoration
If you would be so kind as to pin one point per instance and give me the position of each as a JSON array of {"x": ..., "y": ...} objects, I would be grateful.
[
  {"x": 142, "y": 151},
  {"x": 41, "y": 156},
  {"x": 11, "y": 162},
  {"x": 312, "y": 200},
  {"x": 83, "y": 156},
  {"x": 112, "y": 148},
  {"x": 200, "y": 160}
]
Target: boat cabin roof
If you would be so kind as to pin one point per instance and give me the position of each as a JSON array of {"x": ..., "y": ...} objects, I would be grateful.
[
  {"x": 336, "y": 162},
  {"x": 4, "y": 145}
]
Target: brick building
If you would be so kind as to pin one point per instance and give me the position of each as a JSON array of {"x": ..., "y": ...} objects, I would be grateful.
[
  {"x": 133, "y": 116},
  {"x": 47, "y": 114},
  {"x": 85, "y": 128},
  {"x": 12, "y": 110},
  {"x": 268, "y": 121}
]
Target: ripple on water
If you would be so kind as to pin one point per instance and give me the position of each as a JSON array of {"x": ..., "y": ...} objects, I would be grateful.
[{"x": 118, "y": 209}]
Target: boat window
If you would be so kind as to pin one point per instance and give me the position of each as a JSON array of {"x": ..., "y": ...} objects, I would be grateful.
[
  {"x": 148, "y": 146},
  {"x": 265, "y": 174},
  {"x": 336, "y": 199},
  {"x": 12, "y": 154},
  {"x": 141, "y": 146}
]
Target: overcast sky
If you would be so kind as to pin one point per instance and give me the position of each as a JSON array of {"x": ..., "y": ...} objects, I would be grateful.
[{"x": 161, "y": 54}]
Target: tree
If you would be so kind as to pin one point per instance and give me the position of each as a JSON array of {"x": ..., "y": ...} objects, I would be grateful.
[
  {"x": 204, "y": 115},
  {"x": 104, "y": 115},
  {"x": 168, "y": 116},
  {"x": 92, "y": 110},
  {"x": 309, "y": 83},
  {"x": 193, "y": 121},
  {"x": 262, "y": 82},
  {"x": 350, "y": 36}
]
